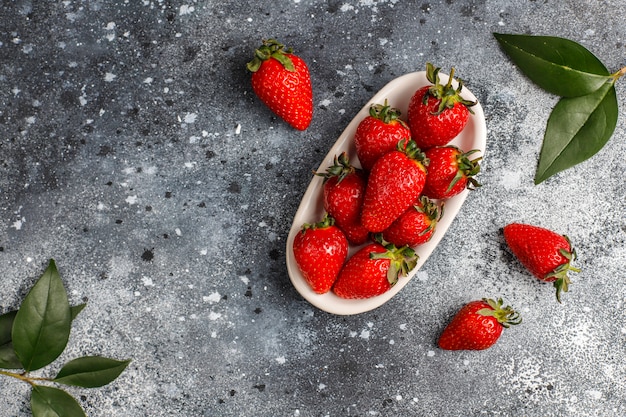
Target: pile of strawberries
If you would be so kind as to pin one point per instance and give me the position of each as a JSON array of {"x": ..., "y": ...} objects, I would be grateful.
[{"x": 391, "y": 203}]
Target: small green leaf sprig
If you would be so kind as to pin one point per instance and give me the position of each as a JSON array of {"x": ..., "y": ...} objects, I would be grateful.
[
  {"x": 36, "y": 334},
  {"x": 584, "y": 118}
]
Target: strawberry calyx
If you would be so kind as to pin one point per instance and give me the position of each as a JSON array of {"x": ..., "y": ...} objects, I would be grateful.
[
  {"x": 326, "y": 222},
  {"x": 447, "y": 95},
  {"x": 271, "y": 48},
  {"x": 468, "y": 168},
  {"x": 402, "y": 260},
  {"x": 410, "y": 148},
  {"x": 341, "y": 168},
  {"x": 385, "y": 113},
  {"x": 506, "y": 316},
  {"x": 560, "y": 274},
  {"x": 432, "y": 210}
]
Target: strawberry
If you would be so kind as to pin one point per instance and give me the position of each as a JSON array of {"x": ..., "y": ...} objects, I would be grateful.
[
  {"x": 344, "y": 189},
  {"x": 416, "y": 225},
  {"x": 437, "y": 113},
  {"x": 395, "y": 182},
  {"x": 320, "y": 251},
  {"x": 450, "y": 171},
  {"x": 374, "y": 269},
  {"x": 546, "y": 254},
  {"x": 478, "y": 325},
  {"x": 379, "y": 133},
  {"x": 282, "y": 81}
]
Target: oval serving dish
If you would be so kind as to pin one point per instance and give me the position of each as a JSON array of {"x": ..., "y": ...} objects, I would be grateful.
[{"x": 398, "y": 92}]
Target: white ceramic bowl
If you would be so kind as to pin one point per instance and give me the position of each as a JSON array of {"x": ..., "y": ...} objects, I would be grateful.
[{"x": 398, "y": 92}]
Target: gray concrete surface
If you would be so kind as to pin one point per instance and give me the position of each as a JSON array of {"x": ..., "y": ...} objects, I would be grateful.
[{"x": 133, "y": 152}]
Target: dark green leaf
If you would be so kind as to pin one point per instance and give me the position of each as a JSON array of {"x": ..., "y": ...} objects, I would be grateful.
[
  {"x": 577, "y": 129},
  {"x": 75, "y": 310},
  {"x": 42, "y": 325},
  {"x": 53, "y": 402},
  {"x": 90, "y": 371},
  {"x": 8, "y": 359},
  {"x": 6, "y": 324},
  {"x": 560, "y": 66}
]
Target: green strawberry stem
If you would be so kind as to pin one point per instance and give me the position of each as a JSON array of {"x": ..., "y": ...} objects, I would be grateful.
[
  {"x": 341, "y": 168},
  {"x": 506, "y": 316},
  {"x": 468, "y": 168},
  {"x": 562, "y": 281},
  {"x": 385, "y": 113},
  {"x": 447, "y": 95},
  {"x": 271, "y": 48},
  {"x": 410, "y": 148},
  {"x": 432, "y": 210},
  {"x": 402, "y": 260},
  {"x": 327, "y": 221}
]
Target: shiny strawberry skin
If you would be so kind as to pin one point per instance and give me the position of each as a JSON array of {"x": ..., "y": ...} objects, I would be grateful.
[
  {"x": 430, "y": 128},
  {"x": 536, "y": 248},
  {"x": 320, "y": 253},
  {"x": 414, "y": 227},
  {"x": 343, "y": 199},
  {"x": 470, "y": 330},
  {"x": 288, "y": 94},
  {"x": 448, "y": 164},
  {"x": 363, "y": 277},
  {"x": 395, "y": 182},
  {"x": 374, "y": 138}
]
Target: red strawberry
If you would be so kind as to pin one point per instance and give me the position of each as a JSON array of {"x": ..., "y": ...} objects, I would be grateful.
[
  {"x": 450, "y": 171},
  {"x": 416, "y": 225},
  {"x": 282, "y": 81},
  {"x": 344, "y": 189},
  {"x": 478, "y": 325},
  {"x": 437, "y": 113},
  {"x": 374, "y": 269},
  {"x": 379, "y": 133},
  {"x": 320, "y": 250},
  {"x": 546, "y": 254},
  {"x": 395, "y": 182}
]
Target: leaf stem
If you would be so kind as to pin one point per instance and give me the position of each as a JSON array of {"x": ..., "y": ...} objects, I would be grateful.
[
  {"x": 619, "y": 74},
  {"x": 23, "y": 377}
]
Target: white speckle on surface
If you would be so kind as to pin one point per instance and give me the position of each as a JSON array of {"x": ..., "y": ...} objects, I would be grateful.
[
  {"x": 365, "y": 334},
  {"x": 321, "y": 386},
  {"x": 430, "y": 353},
  {"x": 596, "y": 395},
  {"x": 281, "y": 360},
  {"x": 511, "y": 180},
  {"x": 148, "y": 80},
  {"x": 190, "y": 118},
  {"x": 238, "y": 129},
  {"x": 178, "y": 232},
  {"x": 17, "y": 225},
  {"x": 185, "y": 9},
  {"x": 190, "y": 164},
  {"x": 402, "y": 326},
  {"x": 109, "y": 76},
  {"x": 29, "y": 259},
  {"x": 147, "y": 282},
  {"x": 131, "y": 199},
  {"x": 325, "y": 103},
  {"x": 214, "y": 316},
  {"x": 214, "y": 297},
  {"x": 421, "y": 276},
  {"x": 110, "y": 26},
  {"x": 244, "y": 279},
  {"x": 15, "y": 91}
]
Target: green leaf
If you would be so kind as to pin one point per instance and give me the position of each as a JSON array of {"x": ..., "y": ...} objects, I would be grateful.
[
  {"x": 8, "y": 358},
  {"x": 75, "y": 310},
  {"x": 53, "y": 402},
  {"x": 42, "y": 325},
  {"x": 90, "y": 371},
  {"x": 577, "y": 129},
  {"x": 559, "y": 66}
]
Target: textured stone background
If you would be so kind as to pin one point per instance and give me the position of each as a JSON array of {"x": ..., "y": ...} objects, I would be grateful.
[{"x": 133, "y": 152}]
